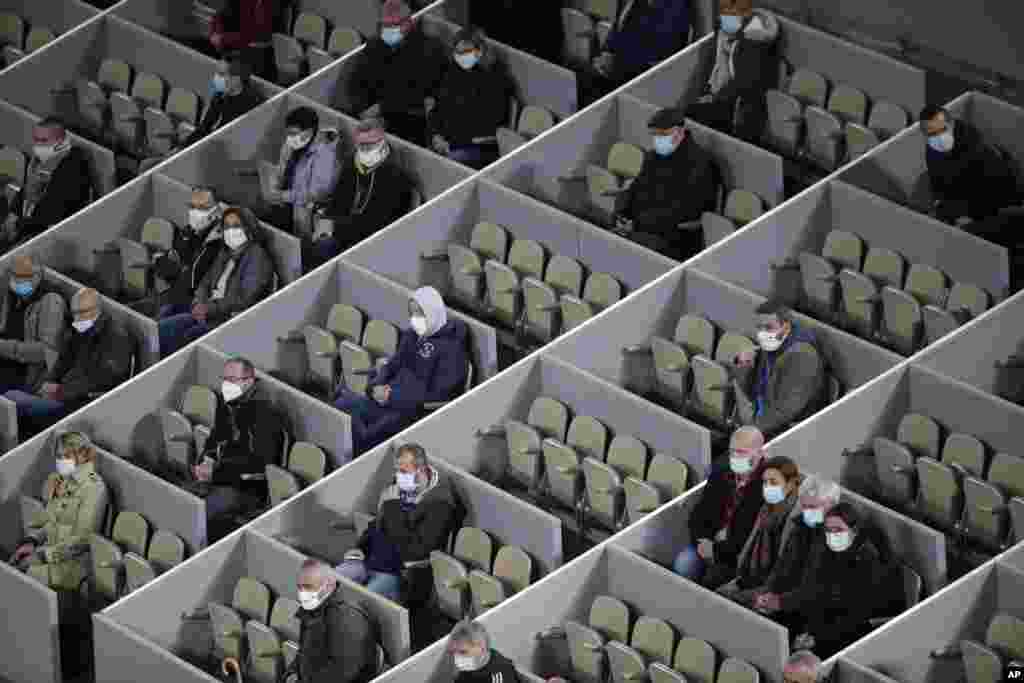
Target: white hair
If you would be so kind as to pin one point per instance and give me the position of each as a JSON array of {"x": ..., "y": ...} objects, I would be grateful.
[
  {"x": 469, "y": 631},
  {"x": 814, "y": 486}
]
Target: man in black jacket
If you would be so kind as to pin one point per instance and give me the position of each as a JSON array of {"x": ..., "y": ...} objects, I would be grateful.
[
  {"x": 96, "y": 359},
  {"x": 58, "y": 183},
  {"x": 248, "y": 435},
  {"x": 196, "y": 247},
  {"x": 232, "y": 95},
  {"x": 678, "y": 182},
  {"x": 726, "y": 513},
  {"x": 372, "y": 192},
  {"x": 746, "y": 67},
  {"x": 473, "y": 658},
  {"x": 398, "y": 74}
]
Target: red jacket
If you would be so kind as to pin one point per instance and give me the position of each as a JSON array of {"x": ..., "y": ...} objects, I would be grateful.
[{"x": 254, "y": 23}]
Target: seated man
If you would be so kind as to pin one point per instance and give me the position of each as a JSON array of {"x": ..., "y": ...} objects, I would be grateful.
[
  {"x": 248, "y": 435},
  {"x": 802, "y": 666},
  {"x": 31, "y": 327},
  {"x": 746, "y": 67},
  {"x": 474, "y": 660},
  {"x": 414, "y": 517},
  {"x": 784, "y": 382},
  {"x": 196, "y": 248},
  {"x": 96, "y": 359},
  {"x": 56, "y": 552},
  {"x": 430, "y": 365},
  {"x": 372, "y": 192},
  {"x": 472, "y": 103},
  {"x": 58, "y": 183},
  {"x": 726, "y": 513},
  {"x": 337, "y": 639},
  {"x": 968, "y": 176},
  {"x": 678, "y": 182},
  {"x": 398, "y": 74},
  {"x": 644, "y": 33},
  {"x": 241, "y": 275},
  {"x": 533, "y": 26},
  {"x": 246, "y": 27}
]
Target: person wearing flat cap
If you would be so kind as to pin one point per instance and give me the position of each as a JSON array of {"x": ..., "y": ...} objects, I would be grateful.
[{"x": 678, "y": 182}]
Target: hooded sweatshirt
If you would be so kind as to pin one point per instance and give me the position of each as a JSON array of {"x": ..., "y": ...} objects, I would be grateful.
[{"x": 428, "y": 368}]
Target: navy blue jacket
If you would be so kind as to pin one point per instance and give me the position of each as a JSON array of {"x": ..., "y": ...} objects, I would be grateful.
[
  {"x": 430, "y": 369},
  {"x": 653, "y": 31}
]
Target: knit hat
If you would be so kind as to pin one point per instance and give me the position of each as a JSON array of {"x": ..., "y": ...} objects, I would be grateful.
[
  {"x": 369, "y": 132},
  {"x": 396, "y": 12}
]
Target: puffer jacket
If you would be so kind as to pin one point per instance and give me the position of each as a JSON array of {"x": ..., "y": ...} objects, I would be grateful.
[
  {"x": 251, "y": 280},
  {"x": 45, "y": 332}
]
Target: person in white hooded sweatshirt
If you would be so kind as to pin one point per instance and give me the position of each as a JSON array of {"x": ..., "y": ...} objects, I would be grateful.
[{"x": 430, "y": 365}]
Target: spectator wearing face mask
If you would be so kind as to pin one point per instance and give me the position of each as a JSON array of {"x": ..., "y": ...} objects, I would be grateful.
[
  {"x": 247, "y": 27},
  {"x": 398, "y": 74},
  {"x": 473, "y": 658},
  {"x": 248, "y": 434},
  {"x": 804, "y": 539},
  {"x": 644, "y": 33},
  {"x": 653, "y": 205},
  {"x": 968, "y": 176},
  {"x": 802, "y": 666},
  {"x": 746, "y": 67},
  {"x": 372, "y": 192},
  {"x": 97, "y": 357},
  {"x": 309, "y": 170},
  {"x": 58, "y": 183},
  {"x": 472, "y": 103},
  {"x": 414, "y": 517},
  {"x": 196, "y": 247},
  {"x": 231, "y": 95},
  {"x": 241, "y": 275},
  {"x": 726, "y": 513},
  {"x": 784, "y": 381},
  {"x": 32, "y": 328},
  {"x": 430, "y": 365}
]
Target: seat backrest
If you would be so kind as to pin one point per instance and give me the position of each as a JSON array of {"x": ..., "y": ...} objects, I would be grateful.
[
  {"x": 601, "y": 10},
  {"x": 131, "y": 532},
  {"x": 668, "y": 475},
  {"x": 514, "y": 567},
  {"x": 887, "y": 119},
  {"x": 859, "y": 140},
  {"x": 730, "y": 345},
  {"x": 655, "y": 639},
  {"x": 610, "y": 617},
  {"x": 148, "y": 88},
  {"x": 743, "y": 206},
  {"x": 158, "y": 234},
  {"x": 845, "y": 249},
  {"x": 848, "y": 103},
  {"x": 12, "y": 29},
  {"x": 526, "y": 258},
  {"x": 534, "y": 120},
  {"x": 310, "y": 29},
  {"x": 12, "y": 165},
  {"x": 628, "y": 455},
  {"x": 38, "y": 37},
  {"x": 1007, "y": 472},
  {"x": 183, "y": 105},
  {"x": 967, "y": 297},
  {"x": 885, "y": 266},
  {"x": 345, "y": 322},
  {"x": 809, "y": 87},
  {"x": 564, "y": 275},
  {"x": 625, "y": 160},
  {"x": 921, "y": 434},
  {"x": 490, "y": 240},
  {"x": 695, "y": 659},
  {"x": 588, "y": 436},
  {"x": 549, "y": 417},
  {"x": 166, "y": 550},
  {"x": 602, "y": 290},
  {"x": 199, "y": 405},
  {"x": 696, "y": 335},
  {"x": 284, "y": 618},
  {"x": 252, "y": 599},
  {"x": 380, "y": 338},
  {"x": 474, "y": 547},
  {"x": 1005, "y": 635},
  {"x": 738, "y": 671},
  {"x": 927, "y": 284},
  {"x": 307, "y": 461},
  {"x": 965, "y": 451},
  {"x": 343, "y": 40}
]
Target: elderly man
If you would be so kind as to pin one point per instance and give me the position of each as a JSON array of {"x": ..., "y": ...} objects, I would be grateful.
[
  {"x": 31, "y": 327},
  {"x": 726, "y": 513},
  {"x": 97, "y": 358},
  {"x": 473, "y": 658},
  {"x": 802, "y": 666}
]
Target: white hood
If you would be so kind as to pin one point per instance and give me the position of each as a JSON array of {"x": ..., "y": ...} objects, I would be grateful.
[{"x": 430, "y": 301}]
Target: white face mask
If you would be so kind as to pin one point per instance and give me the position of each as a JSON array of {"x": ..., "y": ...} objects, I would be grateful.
[
  {"x": 943, "y": 142},
  {"x": 769, "y": 341},
  {"x": 740, "y": 464},
  {"x": 406, "y": 481},
  {"x": 66, "y": 468},
  {"x": 371, "y": 156},
  {"x": 774, "y": 494},
  {"x": 813, "y": 516},
  {"x": 200, "y": 219},
  {"x": 230, "y": 391},
  {"x": 467, "y": 60},
  {"x": 465, "y": 663},
  {"x": 838, "y": 541},
  {"x": 82, "y": 326},
  {"x": 298, "y": 141},
  {"x": 310, "y": 600},
  {"x": 235, "y": 238},
  {"x": 419, "y": 324}
]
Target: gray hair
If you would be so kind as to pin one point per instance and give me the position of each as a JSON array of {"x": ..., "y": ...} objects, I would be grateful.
[
  {"x": 246, "y": 364},
  {"x": 469, "y": 631},
  {"x": 814, "y": 486},
  {"x": 418, "y": 453},
  {"x": 804, "y": 659}
]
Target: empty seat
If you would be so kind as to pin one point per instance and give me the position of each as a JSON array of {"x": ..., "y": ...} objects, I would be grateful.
[
  {"x": 148, "y": 90},
  {"x": 541, "y": 299},
  {"x": 627, "y": 457},
  {"x": 266, "y": 657},
  {"x": 167, "y": 127},
  {"x": 345, "y": 323},
  {"x": 849, "y": 104},
  {"x": 939, "y": 497},
  {"x": 512, "y": 572},
  {"x": 166, "y": 550},
  {"x": 738, "y": 671},
  {"x": 609, "y": 620},
  {"x": 310, "y": 29},
  {"x": 533, "y": 121},
  {"x": 250, "y": 601},
  {"x": 894, "y": 471},
  {"x": 504, "y": 281},
  {"x": 964, "y": 452},
  {"x": 743, "y": 206},
  {"x": 600, "y": 291},
  {"x": 809, "y": 87},
  {"x": 885, "y": 266},
  {"x": 12, "y": 166},
  {"x": 860, "y": 295},
  {"x": 966, "y": 301},
  {"x": 901, "y": 320},
  {"x": 380, "y": 342},
  {"x": 547, "y": 418},
  {"x": 587, "y": 438},
  {"x": 824, "y": 137},
  {"x": 451, "y": 580},
  {"x": 819, "y": 274},
  {"x": 985, "y": 514},
  {"x": 859, "y": 140},
  {"x": 695, "y": 659},
  {"x": 579, "y": 36},
  {"x": 921, "y": 434},
  {"x": 307, "y": 464},
  {"x": 38, "y": 37},
  {"x": 1004, "y": 642},
  {"x": 474, "y": 548},
  {"x": 12, "y": 30},
  {"x": 927, "y": 284},
  {"x": 887, "y": 119},
  {"x": 114, "y": 76},
  {"x": 784, "y": 129},
  {"x": 488, "y": 241},
  {"x": 666, "y": 479},
  {"x": 343, "y": 40},
  {"x": 199, "y": 405},
  {"x": 844, "y": 249},
  {"x": 130, "y": 535},
  {"x": 603, "y": 183},
  {"x": 602, "y": 10}
]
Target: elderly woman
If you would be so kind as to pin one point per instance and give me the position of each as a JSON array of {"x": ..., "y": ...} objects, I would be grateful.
[{"x": 430, "y": 365}]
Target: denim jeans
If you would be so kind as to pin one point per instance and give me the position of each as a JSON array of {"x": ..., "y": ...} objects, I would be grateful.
[
  {"x": 474, "y": 156},
  {"x": 689, "y": 564},
  {"x": 381, "y": 583},
  {"x": 371, "y": 422},
  {"x": 168, "y": 310},
  {"x": 35, "y": 413},
  {"x": 178, "y": 330}
]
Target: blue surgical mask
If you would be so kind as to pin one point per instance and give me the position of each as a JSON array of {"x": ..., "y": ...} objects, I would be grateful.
[
  {"x": 664, "y": 145},
  {"x": 391, "y": 35},
  {"x": 774, "y": 494},
  {"x": 22, "y": 289},
  {"x": 730, "y": 23},
  {"x": 218, "y": 84},
  {"x": 467, "y": 60},
  {"x": 813, "y": 516},
  {"x": 943, "y": 142}
]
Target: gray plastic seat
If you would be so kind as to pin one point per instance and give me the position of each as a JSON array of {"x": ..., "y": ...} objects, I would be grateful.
[
  {"x": 490, "y": 240},
  {"x": 654, "y": 639},
  {"x": 625, "y": 664},
  {"x": 843, "y": 248},
  {"x": 895, "y": 472},
  {"x": 887, "y": 119},
  {"x": 600, "y": 291},
  {"x": 1004, "y": 641},
  {"x": 289, "y": 57},
  {"x": 823, "y": 141},
  {"x": 624, "y": 164},
  {"x": 178, "y": 440},
  {"x": 628, "y": 455},
  {"x": 695, "y": 659},
  {"x": 784, "y": 130},
  {"x": 671, "y": 372},
  {"x": 848, "y": 103},
  {"x": 711, "y": 395},
  {"x": 12, "y": 29},
  {"x": 451, "y": 583},
  {"x": 921, "y": 434},
  {"x": 738, "y": 671},
  {"x": 547, "y": 418},
  {"x": 818, "y": 277},
  {"x": 885, "y": 266},
  {"x": 715, "y": 227},
  {"x": 343, "y": 40},
  {"x": 985, "y": 514},
  {"x": 859, "y": 140},
  {"x": 265, "y": 655},
  {"x": 284, "y": 618},
  {"x": 127, "y": 122},
  {"x": 965, "y": 302},
  {"x": 901, "y": 320},
  {"x": 743, "y": 206},
  {"x": 12, "y": 165},
  {"x": 696, "y": 335},
  {"x": 199, "y": 405},
  {"x": 562, "y": 465},
  {"x": 659, "y": 673},
  {"x": 166, "y": 551},
  {"x": 940, "y": 499},
  {"x": 603, "y": 493},
  {"x": 474, "y": 548},
  {"x": 965, "y": 452},
  {"x": 927, "y": 284},
  {"x": 809, "y": 87},
  {"x": 466, "y": 269},
  {"x": 579, "y": 36},
  {"x": 513, "y": 569},
  {"x": 563, "y": 276},
  {"x": 859, "y": 299},
  {"x": 668, "y": 475},
  {"x": 107, "y": 564}
]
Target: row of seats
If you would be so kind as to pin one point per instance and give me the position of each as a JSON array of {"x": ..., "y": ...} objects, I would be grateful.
[
  {"x": 13, "y": 165},
  {"x": 877, "y": 297},
  {"x": 18, "y": 40},
  {"x": 531, "y": 122},
  {"x": 579, "y": 465},
  {"x": 950, "y": 482},
  {"x": 130, "y": 557},
  {"x": 611, "y": 646},
  {"x": 806, "y": 120},
  {"x": 474, "y": 578},
  {"x": 525, "y": 292},
  {"x": 1004, "y": 643},
  {"x": 310, "y": 46}
]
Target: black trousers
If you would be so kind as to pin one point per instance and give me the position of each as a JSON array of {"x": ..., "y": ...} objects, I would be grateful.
[{"x": 409, "y": 127}]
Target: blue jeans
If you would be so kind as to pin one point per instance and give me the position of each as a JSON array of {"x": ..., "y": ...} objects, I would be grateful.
[
  {"x": 689, "y": 564},
  {"x": 178, "y": 330},
  {"x": 474, "y": 156},
  {"x": 35, "y": 413},
  {"x": 381, "y": 583},
  {"x": 371, "y": 422},
  {"x": 322, "y": 251},
  {"x": 168, "y": 310}
]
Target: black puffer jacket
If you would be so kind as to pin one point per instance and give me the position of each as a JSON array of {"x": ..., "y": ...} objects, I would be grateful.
[
  {"x": 95, "y": 361},
  {"x": 471, "y": 104},
  {"x": 399, "y": 78},
  {"x": 186, "y": 267},
  {"x": 337, "y": 643}
]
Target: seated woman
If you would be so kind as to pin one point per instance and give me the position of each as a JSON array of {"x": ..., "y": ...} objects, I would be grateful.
[
  {"x": 771, "y": 531},
  {"x": 430, "y": 365}
]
